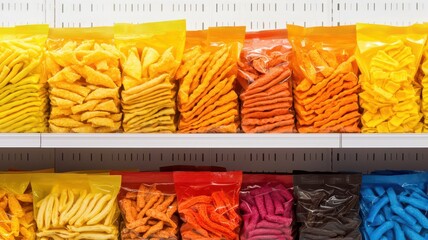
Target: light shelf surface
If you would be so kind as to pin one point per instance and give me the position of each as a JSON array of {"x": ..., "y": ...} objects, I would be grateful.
[
  {"x": 20, "y": 140},
  {"x": 390, "y": 140},
  {"x": 120, "y": 140}
]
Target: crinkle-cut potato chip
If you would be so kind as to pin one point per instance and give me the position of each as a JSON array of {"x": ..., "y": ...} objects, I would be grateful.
[
  {"x": 91, "y": 80},
  {"x": 326, "y": 83}
]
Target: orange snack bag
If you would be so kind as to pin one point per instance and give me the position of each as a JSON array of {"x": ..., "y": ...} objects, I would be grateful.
[
  {"x": 208, "y": 204},
  {"x": 207, "y": 100},
  {"x": 325, "y": 79},
  {"x": 264, "y": 75}
]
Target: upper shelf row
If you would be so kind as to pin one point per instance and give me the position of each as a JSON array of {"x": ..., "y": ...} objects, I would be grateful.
[{"x": 119, "y": 140}]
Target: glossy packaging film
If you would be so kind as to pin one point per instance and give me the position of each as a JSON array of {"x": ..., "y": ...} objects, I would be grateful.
[
  {"x": 82, "y": 69},
  {"x": 148, "y": 204},
  {"x": 265, "y": 78},
  {"x": 150, "y": 56},
  {"x": 267, "y": 207},
  {"x": 158, "y": 78},
  {"x": 394, "y": 206},
  {"x": 207, "y": 99},
  {"x": 328, "y": 205},
  {"x": 23, "y": 92}
]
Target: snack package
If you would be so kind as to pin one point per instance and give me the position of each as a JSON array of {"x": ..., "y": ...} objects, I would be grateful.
[
  {"x": 207, "y": 99},
  {"x": 16, "y": 207},
  {"x": 208, "y": 204},
  {"x": 82, "y": 67},
  {"x": 23, "y": 91},
  {"x": 422, "y": 77},
  {"x": 394, "y": 206},
  {"x": 151, "y": 54},
  {"x": 328, "y": 205},
  {"x": 148, "y": 205},
  {"x": 325, "y": 81},
  {"x": 267, "y": 206},
  {"x": 76, "y": 206},
  {"x": 388, "y": 58},
  {"x": 264, "y": 75}
]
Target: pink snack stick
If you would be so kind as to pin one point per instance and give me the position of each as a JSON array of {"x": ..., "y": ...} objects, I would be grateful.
[
  {"x": 288, "y": 209},
  {"x": 278, "y": 200},
  {"x": 277, "y": 219},
  {"x": 269, "y": 237},
  {"x": 245, "y": 207},
  {"x": 270, "y": 209},
  {"x": 264, "y": 231},
  {"x": 261, "y": 205}
]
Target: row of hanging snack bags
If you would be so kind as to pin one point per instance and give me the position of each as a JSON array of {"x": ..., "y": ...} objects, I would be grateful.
[
  {"x": 208, "y": 205},
  {"x": 156, "y": 77}
]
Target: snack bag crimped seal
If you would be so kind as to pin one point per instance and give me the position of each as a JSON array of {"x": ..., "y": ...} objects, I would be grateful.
[
  {"x": 16, "y": 207},
  {"x": 151, "y": 54},
  {"x": 264, "y": 75},
  {"x": 207, "y": 99},
  {"x": 76, "y": 206},
  {"x": 422, "y": 77},
  {"x": 148, "y": 204},
  {"x": 23, "y": 91},
  {"x": 267, "y": 207},
  {"x": 208, "y": 203},
  {"x": 82, "y": 66},
  {"x": 325, "y": 81},
  {"x": 388, "y": 58}
]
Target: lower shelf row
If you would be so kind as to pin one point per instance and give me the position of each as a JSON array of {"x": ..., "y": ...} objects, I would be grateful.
[{"x": 214, "y": 205}]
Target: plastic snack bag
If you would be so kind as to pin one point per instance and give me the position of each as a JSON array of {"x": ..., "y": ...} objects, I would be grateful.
[
  {"x": 388, "y": 58},
  {"x": 148, "y": 205},
  {"x": 394, "y": 205},
  {"x": 16, "y": 207},
  {"x": 208, "y": 204},
  {"x": 76, "y": 206},
  {"x": 82, "y": 67},
  {"x": 265, "y": 78},
  {"x": 207, "y": 99},
  {"x": 151, "y": 54},
  {"x": 328, "y": 205},
  {"x": 422, "y": 77},
  {"x": 23, "y": 92},
  {"x": 267, "y": 207},
  {"x": 325, "y": 81}
]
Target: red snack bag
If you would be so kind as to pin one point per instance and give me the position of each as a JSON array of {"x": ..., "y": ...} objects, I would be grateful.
[
  {"x": 264, "y": 75},
  {"x": 148, "y": 204},
  {"x": 208, "y": 204},
  {"x": 267, "y": 207}
]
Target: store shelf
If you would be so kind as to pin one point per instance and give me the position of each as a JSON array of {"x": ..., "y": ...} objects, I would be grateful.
[
  {"x": 190, "y": 140},
  {"x": 384, "y": 140},
  {"x": 20, "y": 140}
]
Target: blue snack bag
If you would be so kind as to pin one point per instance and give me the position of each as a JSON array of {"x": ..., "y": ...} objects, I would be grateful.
[{"x": 394, "y": 205}]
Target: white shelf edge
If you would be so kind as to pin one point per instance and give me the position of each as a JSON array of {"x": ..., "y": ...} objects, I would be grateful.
[
  {"x": 20, "y": 140},
  {"x": 380, "y": 140},
  {"x": 121, "y": 140}
]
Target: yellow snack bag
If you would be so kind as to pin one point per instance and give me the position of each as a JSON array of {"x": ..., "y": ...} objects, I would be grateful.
[
  {"x": 150, "y": 56},
  {"x": 77, "y": 206},
  {"x": 16, "y": 207},
  {"x": 207, "y": 99},
  {"x": 422, "y": 77},
  {"x": 388, "y": 58},
  {"x": 82, "y": 67},
  {"x": 23, "y": 95}
]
